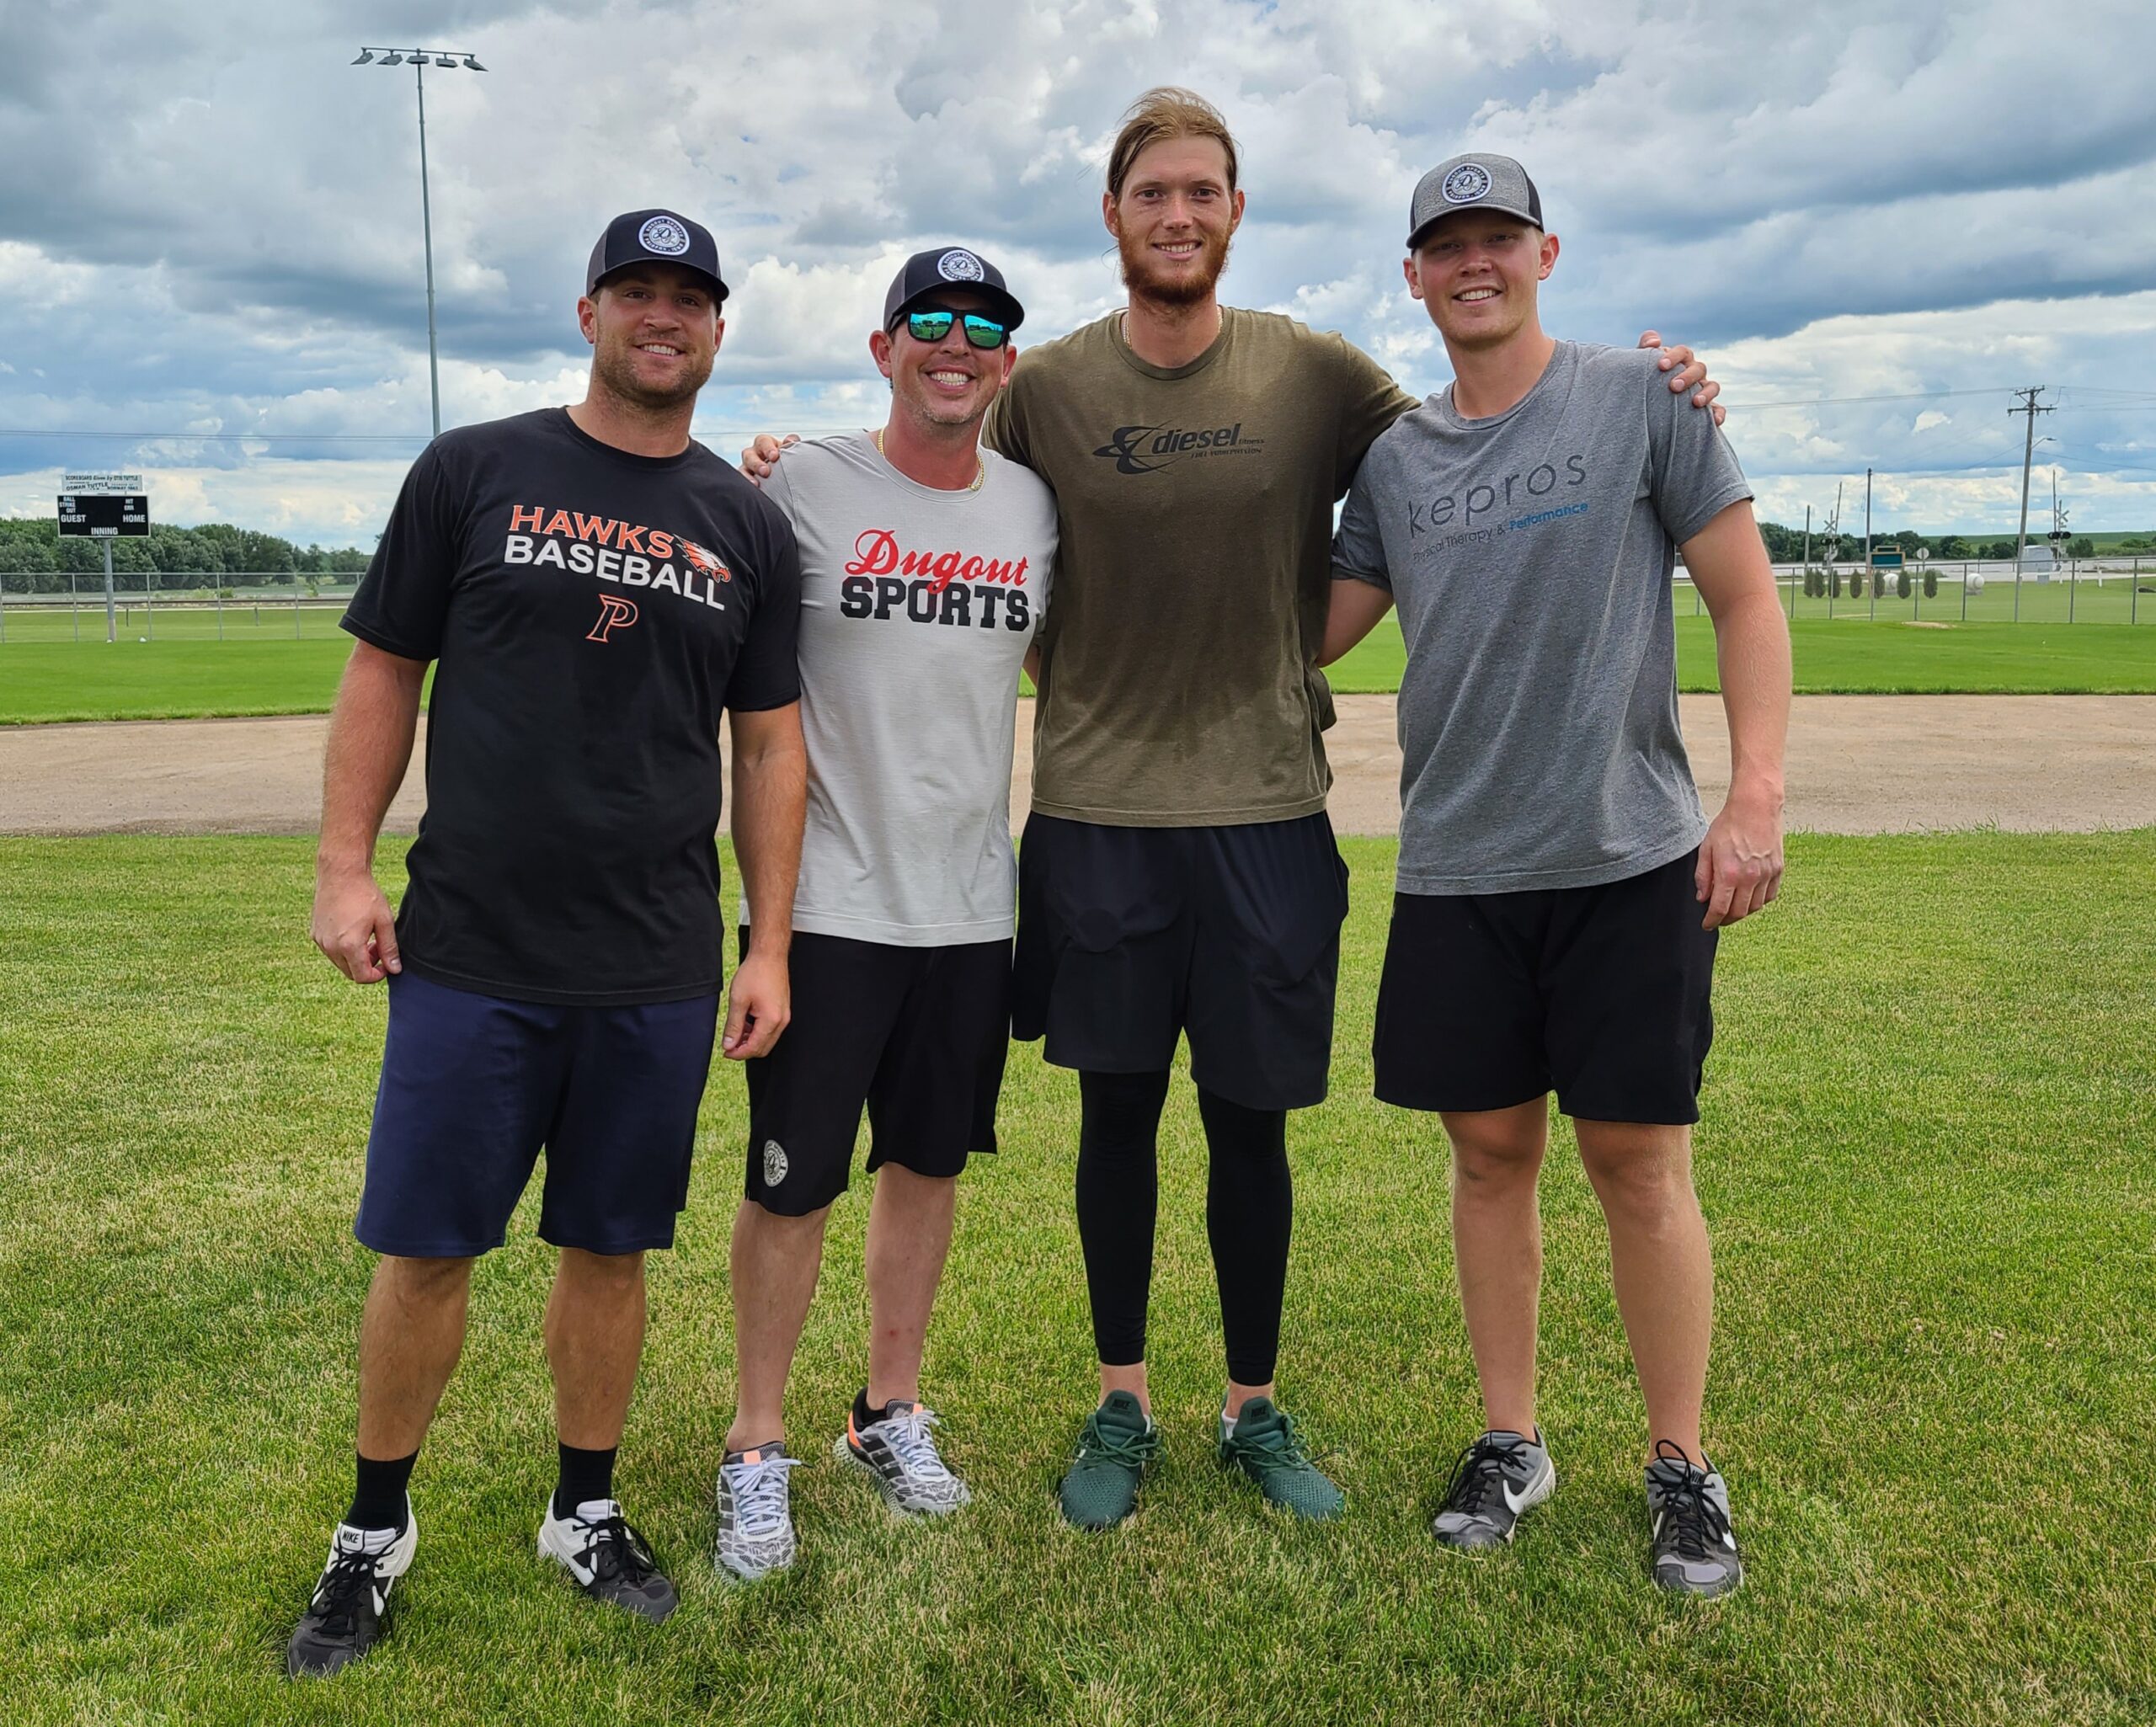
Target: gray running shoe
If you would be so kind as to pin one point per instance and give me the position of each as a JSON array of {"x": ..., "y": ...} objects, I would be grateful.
[
  {"x": 756, "y": 1514},
  {"x": 1695, "y": 1549},
  {"x": 1497, "y": 1478},
  {"x": 346, "y": 1614},
  {"x": 900, "y": 1456},
  {"x": 609, "y": 1560},
  {"x": 1116, "y": 1447},
  {"x": 1264, "y": 1445}
]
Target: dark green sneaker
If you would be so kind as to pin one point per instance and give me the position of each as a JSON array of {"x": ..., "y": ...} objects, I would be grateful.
[
  {"x": 1263, "y": 1446},
  {"x": 1115, "y": 1446}
]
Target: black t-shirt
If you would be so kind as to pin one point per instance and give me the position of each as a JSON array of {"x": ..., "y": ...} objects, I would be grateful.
[{"x": 592, "y": 611}]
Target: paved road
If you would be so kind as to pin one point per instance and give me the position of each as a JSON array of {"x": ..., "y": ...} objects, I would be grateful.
[{"x": 1857, "y": 765}]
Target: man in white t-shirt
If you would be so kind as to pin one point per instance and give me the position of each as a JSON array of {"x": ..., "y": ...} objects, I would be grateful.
[{"x": 924, "y": 565}]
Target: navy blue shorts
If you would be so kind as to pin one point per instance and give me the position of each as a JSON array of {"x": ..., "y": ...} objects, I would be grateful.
[{"x": 473, "y": 1085}]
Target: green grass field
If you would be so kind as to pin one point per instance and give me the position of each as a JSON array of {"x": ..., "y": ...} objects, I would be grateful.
[
  {"x": 186, "y": 672},
  {"x": 1925, "y": 1159}
]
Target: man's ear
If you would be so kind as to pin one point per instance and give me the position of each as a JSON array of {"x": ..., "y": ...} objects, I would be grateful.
[
  {"x": 1414, "y": 279},
  {"x": 1009, "y": 358},
  {"x": 1108, "y": 219},
  {"x": 879, "y": 350},
  {"x": 587, "y": 319},
  {"x": 1549, "y": 257},
  {"x": 717, "y": 333}
]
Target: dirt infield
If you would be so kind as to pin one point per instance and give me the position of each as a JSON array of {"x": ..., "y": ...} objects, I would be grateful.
[{"x": 1857, "y": 765}]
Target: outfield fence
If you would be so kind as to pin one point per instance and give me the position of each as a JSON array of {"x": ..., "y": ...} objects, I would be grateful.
[{"x": 48, "y": 605}]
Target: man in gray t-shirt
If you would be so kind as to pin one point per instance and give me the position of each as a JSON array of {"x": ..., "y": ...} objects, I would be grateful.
[
  {"x": 1547, "y": 932},
  {"x": 925, "y": 563}
]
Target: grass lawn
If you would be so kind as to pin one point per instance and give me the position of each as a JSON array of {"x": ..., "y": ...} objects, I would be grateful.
[
  {"x": 1925, "y": 1159},
  {"x": 1855, "y": 656}
]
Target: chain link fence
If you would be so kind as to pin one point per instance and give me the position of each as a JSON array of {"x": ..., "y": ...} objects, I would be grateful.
[{"x": 163, "y": 605}]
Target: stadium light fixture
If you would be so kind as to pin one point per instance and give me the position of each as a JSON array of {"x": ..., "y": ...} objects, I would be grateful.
[{"x": 450, "y": 60}]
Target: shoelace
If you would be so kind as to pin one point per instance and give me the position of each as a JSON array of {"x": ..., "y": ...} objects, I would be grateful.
[
  {"x": 1134, "y": 1451},
  {"x": 1688, "y": 1510},
  {"x": 1481, "y": 1471},
  {"x": 345, "y": 1583},
  {"x": 908, "y": 1434},
  {"x": 1279, "y": 1447},
  {"x": 614, "y": 1549},
  {"x": 759, "y": 1496}
]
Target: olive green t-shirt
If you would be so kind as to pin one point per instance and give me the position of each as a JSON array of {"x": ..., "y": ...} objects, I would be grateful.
[{"x": 1178, "y": 683}]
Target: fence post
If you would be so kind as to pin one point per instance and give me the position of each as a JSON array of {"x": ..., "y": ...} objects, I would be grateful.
[
  {"x": 1965, "y": 593},
  {"x": 2073, "y": 585},
  {"x": 3, "y": 606},
  {"x": 2133, "y": 593},
  {"x": 74, "y": 610},
  {"x": 220, "y": 593},
  {"x": 2017, "y": 590},
  {"x": 295, "y": 611}
]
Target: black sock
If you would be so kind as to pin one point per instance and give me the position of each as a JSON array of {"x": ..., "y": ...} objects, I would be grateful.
[
  {"x": 378, "y": 1501},
  {"x": 862, "y": 1415},
  {"x": 585, "y": 1475}
]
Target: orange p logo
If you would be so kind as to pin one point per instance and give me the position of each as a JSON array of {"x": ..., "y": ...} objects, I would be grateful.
[{"x": 614, "y": 613}]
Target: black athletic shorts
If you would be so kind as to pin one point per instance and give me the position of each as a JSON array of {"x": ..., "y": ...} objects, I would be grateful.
[
  {"x": 916, "y": 1034},
  {"x": 1600, "y": 994},
  {"x": 1129, "y": 936}
]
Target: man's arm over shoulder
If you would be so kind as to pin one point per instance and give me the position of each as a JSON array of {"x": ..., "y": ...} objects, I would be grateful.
[
  {"x": 1361, "y": 576},
  {"x": 1694, "y": 473},
  {"x": 1370, "y": 404}
]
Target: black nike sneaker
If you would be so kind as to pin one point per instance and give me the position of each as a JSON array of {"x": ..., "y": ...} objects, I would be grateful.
[
  {"x": 1497, "y": 1478},
  {"x": 609, "y": 1559},
  {"x": 345, "y": 1615}
]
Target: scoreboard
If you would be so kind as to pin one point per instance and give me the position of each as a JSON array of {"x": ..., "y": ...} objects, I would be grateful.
[{"x": 104, "y": 515}]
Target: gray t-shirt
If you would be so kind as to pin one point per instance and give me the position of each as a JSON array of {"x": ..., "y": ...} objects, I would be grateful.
[
  {"x": 917, "y": 606},
  {"x": 1530, "y": 556}
]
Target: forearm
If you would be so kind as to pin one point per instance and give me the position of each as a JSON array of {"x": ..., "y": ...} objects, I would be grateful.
[
  {"x": 369, "y": 748},
  {"x": 771, "y": 794},
  {"x": 1352, "y": 609},
  {"x": 1752, "y": 655}
]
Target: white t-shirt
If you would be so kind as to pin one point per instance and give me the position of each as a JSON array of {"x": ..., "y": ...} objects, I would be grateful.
[{"x": 917, "y": 606}]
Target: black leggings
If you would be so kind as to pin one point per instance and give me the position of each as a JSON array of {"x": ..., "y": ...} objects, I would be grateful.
[{"x": 1250, "y": 1203}]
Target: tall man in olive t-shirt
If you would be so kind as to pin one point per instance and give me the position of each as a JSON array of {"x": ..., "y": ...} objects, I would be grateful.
[
  {"x": 1179, "y": 875},
  {"x": 593, "y": 588}
]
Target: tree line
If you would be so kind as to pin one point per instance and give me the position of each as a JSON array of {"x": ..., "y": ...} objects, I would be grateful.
[
  {"x": 1786, "y": 546},
  {"x": 172, "y": 557}
]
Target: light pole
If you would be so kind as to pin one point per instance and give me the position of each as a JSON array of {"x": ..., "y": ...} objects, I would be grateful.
[{"x": 448, "y": 60}]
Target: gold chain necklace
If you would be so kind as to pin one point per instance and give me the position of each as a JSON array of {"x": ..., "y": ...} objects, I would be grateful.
[{"x": 980, "y": 467}]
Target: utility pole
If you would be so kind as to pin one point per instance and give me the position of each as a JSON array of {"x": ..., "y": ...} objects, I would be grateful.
[
  {"x": 2031, "y": 410},
  {"x": 1807, "y": 562}
]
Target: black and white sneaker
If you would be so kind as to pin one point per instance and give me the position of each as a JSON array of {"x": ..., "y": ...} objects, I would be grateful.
[
  {"x": 1695, "y": 1551},
  {"x": 344, "y": 1615},
  {"x": 1497, "y": 1478},
  {"x": 899, "y": 1454},
  {"x": 756, "y": 1513},
  {"x": 609, "y": 1560}
]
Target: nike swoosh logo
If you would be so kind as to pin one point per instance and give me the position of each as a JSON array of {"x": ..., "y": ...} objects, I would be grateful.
[{"x": 1517, "y": 1501}]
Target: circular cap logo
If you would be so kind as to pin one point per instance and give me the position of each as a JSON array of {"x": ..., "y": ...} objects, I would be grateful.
[
  {"x": 662, "y": 233},
  {"x": 958, "y": 265},
  {"x": 1465, "y": 183}
]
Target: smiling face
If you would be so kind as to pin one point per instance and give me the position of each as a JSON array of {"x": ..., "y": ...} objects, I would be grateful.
[
  {"x": 1173, "y": 220},
  {"x": 948, "y": 383},
  {"x": 654, "y": 330},
  {"x": 1477, "y": 272}
]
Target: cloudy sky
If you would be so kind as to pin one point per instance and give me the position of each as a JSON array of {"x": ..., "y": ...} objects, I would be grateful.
[{"x": 1877, "y": 223}]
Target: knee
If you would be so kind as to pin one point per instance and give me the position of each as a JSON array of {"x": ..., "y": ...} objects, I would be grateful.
[
  {"x": 1644, "y": 1181},
  {"x": 423, "y": 1283},
  {"x": 614, "y": 1272},
  {"x": 1489, "y": 1161}
]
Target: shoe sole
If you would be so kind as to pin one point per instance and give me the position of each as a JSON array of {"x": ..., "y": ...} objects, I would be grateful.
[
  {"x": 844, "y": 1452},
  {"x": 1537, "y": 1491}
]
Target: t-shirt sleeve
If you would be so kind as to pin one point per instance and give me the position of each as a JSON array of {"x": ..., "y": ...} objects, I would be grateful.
[
  {"x": 1357, "y": 546},
  {"x": 403, "y": 600},
  {"x": 778, "y": 487},
  {"x": 1369, "y": 402},
  {"x": 766, "y": 673},
  {"x": 1004, "y": 429},
  {"x": 1695, "y": 475}
]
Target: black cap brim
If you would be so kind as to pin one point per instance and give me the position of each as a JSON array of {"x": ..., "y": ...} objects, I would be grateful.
[{"x": 719, "y": 289}]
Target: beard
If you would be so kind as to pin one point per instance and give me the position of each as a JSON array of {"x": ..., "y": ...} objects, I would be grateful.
[
  {"x": 1147, "y": 281},
  {"x": 614, "y": 366}
]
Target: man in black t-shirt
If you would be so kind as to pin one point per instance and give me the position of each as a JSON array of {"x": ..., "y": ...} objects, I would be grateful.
[{"x": 593, "y": 588}]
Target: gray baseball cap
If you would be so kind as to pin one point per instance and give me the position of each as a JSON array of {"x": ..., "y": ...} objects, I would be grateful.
[{"x": 1475, "y": 181}]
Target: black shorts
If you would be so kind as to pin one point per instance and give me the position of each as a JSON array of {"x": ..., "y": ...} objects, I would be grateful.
[
  {"x": 1130, "y": 937},
  {"x": 918, "y": 1035},
  {"x": 1601, "y": 994},
  {"x": 473, "y": 1085}
]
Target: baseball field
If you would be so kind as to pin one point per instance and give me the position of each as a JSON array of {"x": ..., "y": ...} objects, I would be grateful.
[{"x": 1925, "y": 1161}]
